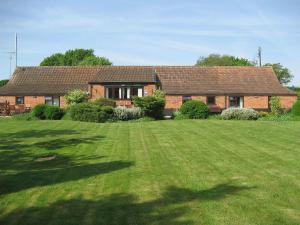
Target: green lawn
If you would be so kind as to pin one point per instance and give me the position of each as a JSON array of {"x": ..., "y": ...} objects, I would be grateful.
[{"x": 162, "y": 172}]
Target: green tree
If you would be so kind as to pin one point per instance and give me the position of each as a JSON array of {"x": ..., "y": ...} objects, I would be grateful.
[
  {"x": 56, "y": 59},
  {"x": 223, "y": 60},
  {"x": 76, "y": 96},
  {"x": 3, "y": 82},
  {"x": 94, "y": 60},
  {"x": 283, "y": 74},
  {"x": 75, "y": 57}
]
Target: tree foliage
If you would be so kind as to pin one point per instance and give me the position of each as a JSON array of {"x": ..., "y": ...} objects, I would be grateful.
[
  {"x": 94, "y": 60},
  {"x": 275, "y": 105},
  {"x": 76, "y": 96},
  {"x": 75, "y": 57},
  {"x": 223, "y": 60},
  {"x": 3, "y": 82},
  {"x": 283, "y": 74}
]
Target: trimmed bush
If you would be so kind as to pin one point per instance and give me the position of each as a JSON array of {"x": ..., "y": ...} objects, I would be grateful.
[
  {"x": 39, "y": 111},
  {"x": 105, "y": 102},
  {"x": 54, "y": 113},
  {"x": 296, "y": 108},
  {"x": 239, "y": 114},
  {"x": 123, "y": 113},
  {"x": 194, "y": 109},
  {"x": 150, "y": 106},
  {"x": 90, "y": 112},
  {"x": 76, "y": 96}
]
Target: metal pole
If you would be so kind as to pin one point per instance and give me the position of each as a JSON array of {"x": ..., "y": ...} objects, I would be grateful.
[
  {"x": 259, "y": 55},
  {"x": 16, "y": 48}
]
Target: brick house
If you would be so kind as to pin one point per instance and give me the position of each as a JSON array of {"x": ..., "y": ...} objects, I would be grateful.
[{"x": 219, "y": 87}]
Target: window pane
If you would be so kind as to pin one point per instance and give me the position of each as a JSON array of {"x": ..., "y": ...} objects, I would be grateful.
[
  {"x": 55, "y": 101},
  {"x": 48, "y": 100},
  {"x": 211, "y": 100},
  {"x": 20, "y": 100},
  {"x": 140, "y": 92},
  {"x": 134, "y": 91}
]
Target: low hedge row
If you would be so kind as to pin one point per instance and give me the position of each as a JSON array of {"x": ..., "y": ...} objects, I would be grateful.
[
  {"x": 91, "y": 112},
  {"x": 43, "y": 111}
]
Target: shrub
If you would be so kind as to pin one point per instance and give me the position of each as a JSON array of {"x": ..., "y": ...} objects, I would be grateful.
[
  {"x": 296, "y": 108},
  {"x": 159, "y": 94},
  {"x": 177, "y": 115},
  {"x": 194, "y": 109},
  {"x": 215, "y": 117},
  {"x": 239, "y": 114},
  {"x": 54, "y": 113},
  {"x": 123, "y": 113},
  {"x": 90, "y": 112},
  {"x": 263, "y": 114},
  {"x": 150, "y": 106},
  {"x": 105, "y": 102},
  {"x": 275, "y": 105},
  {"x": 39, "y": 111},
  {"x": 76, "y": 96}
]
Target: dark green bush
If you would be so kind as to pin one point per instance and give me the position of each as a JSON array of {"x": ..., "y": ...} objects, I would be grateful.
[
  {"x": 39, "y": 111},
  {"x": 150, "y": 106},
  {"x": 90, "y": 112},
  {"x": 54, "y": 113},
  {"x": 194, "y": 109},
  {"x": 105, "y": 102},
  {"x": 296, "y": 108}
]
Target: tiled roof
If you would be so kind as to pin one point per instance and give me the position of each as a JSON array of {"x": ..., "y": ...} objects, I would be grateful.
[
  {"x": 175, "y": 80},
  {"x": 220, "y": 80}
]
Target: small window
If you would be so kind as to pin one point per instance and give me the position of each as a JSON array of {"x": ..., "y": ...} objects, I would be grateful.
[
  {"x": 235, "y": 101},
  {"x": 186, "y": 98},
  {"x": 52, "y": 100},
  {"x": 211, "y": 100},
  {"x": 19, "y": 100}
]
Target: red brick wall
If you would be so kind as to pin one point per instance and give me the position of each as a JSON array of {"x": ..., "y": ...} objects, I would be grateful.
[
  {"x": 199, "y": 98},
  {"x": 256, "y": 102},
  {"x": 173, "y": 101},
  {"x": 287, "y": 101},
  {"x": 97, "y": 91},
  {"x": 32, "y": 101},
  {"x": 62, "y": 101},
  {"x": 10, "y": 99},
  {"x": 221, "y": 101},
  {"x": 149, "y": 89}
]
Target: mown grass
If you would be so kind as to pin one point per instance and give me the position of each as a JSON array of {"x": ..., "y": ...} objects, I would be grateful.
[{"x": 161, "y": 172}]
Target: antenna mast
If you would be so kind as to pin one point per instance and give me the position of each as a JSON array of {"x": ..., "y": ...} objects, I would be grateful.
[
  {"x": 259, "y": 56},
  {"x": 16, "y": 48}
]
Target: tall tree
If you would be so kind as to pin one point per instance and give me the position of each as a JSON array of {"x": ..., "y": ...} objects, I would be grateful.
[
  {"x": 75, "y": 57},
  {"x": 223, "y": 60},
  {"x": 283, "y": 74}
]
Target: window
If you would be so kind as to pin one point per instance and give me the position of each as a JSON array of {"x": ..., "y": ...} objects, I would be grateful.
[
  {"x": 186, "y": 98},
  {"x": 235, "y": 101},
  {"x": 211, "y": 100},
  {"x": 52, "y": 100},
  {"x": 116, "y": 92},
  {"x": 19, "y": 100}
]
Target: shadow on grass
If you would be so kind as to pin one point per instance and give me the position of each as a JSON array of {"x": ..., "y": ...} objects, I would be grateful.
[
  {"x": 18, "y": 153},
  {"x": 168, "y": 209},
  {"x": 53, "y": 175}
]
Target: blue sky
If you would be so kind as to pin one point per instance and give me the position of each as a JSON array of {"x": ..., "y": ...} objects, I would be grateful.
[{"x": 154, "y": 32}]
